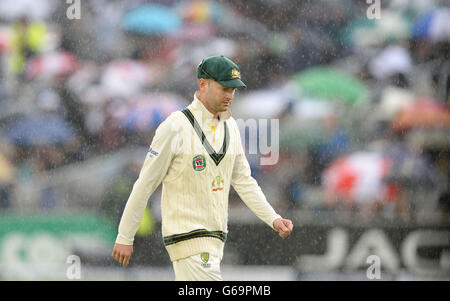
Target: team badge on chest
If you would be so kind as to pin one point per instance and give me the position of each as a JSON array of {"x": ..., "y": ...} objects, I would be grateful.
[
  {"x": 217, "y": 184},
  {"x": 199, "y": 163}
]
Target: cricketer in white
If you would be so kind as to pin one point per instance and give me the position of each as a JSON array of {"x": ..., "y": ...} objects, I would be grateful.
[{"x": 196, "y": 181}]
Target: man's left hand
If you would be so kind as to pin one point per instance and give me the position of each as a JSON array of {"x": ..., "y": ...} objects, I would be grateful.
[{"x": 283, "y": 227}]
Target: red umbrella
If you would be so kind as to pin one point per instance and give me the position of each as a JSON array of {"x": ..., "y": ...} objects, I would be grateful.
[
  {"x": 422, "y": 113},
  {"x": 358, "y": 177},
  {"x": 52, "y": 64}
]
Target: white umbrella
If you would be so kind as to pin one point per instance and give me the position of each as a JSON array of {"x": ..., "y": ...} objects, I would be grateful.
[
  {"x": 83, "y": 79},
  {"x": 189, "y": 55},
  {"x": 52, "y": 64},
  {"x": 33, "y": 9},
  {"x": 393, "y": 59},
  {"x": 125, "y": 77},
  {"x": 260, "y": 104},
  {"x": 393, "y": 100},
  {"x": 312, "y": 109}
]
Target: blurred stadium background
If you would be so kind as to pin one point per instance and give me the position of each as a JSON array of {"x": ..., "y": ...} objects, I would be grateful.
[{"x": 360, "y": 89}]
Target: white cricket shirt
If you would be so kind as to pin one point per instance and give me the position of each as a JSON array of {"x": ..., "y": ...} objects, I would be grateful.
[{"x": 196, "y": 181}]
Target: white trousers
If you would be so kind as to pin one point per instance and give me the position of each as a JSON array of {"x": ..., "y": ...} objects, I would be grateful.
[{"x": 199, "y": 267}]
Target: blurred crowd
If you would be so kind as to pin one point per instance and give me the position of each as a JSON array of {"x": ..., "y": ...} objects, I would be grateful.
[{"x": 361, "y": 93}]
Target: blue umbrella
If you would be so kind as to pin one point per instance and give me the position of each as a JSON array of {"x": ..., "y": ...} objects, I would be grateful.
[
  {"x": 40, "y": 129},
  {"x": 151, "y": 19},
  {"x": 433, "y": 25}
]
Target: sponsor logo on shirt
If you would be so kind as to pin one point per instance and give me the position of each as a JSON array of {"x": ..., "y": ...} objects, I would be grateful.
[
  {"x": 152, "y": 152},
  {"x": 199, "y": 163}
]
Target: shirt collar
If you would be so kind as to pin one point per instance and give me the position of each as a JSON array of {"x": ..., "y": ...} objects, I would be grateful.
[{"x": 201, "y": 112}]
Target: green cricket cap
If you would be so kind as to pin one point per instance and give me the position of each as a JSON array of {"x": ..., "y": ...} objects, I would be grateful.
[{"x": 222, "y": 70}]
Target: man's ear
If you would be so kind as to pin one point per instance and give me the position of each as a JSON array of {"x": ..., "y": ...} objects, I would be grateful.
[{"x": 202, "y": 83}]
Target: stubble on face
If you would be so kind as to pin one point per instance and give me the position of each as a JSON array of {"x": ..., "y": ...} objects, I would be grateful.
[
  {"x": 219, "y": 97},
  {"x": 215, "y": 97}
]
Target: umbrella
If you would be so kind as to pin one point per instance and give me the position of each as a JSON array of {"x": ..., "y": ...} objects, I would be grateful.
[
  {"x": 422, "y": 113},
  {"x": 433, "y": 25},
  {"x": 358, "y": 176},
  {"x": 331, "y": 84},
  {"x": 298, "y": 136},
  {"x": 267, "y": 103},
  {"x": 52, "y": 64},
  {"x": 392, "y": 60},
  {"x": 392, "y": 100},
  {"x": 124, "y": 77},
  {"x": 146, "y": 112},
  {"x": 193, "y": 53},
  {"x": 365, "y": 176},
  {"x": 83, "y": 79},
  {"x": 312, "y": 109},
  {"x": 151, "y": 19},
  {"x": 35, "y": 10},
  {"x": 273, "y": 103},
  {"x": 40, "y": 129}
]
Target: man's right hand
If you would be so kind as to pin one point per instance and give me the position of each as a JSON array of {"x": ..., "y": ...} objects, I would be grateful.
[{"x": 122, "y": 253}]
